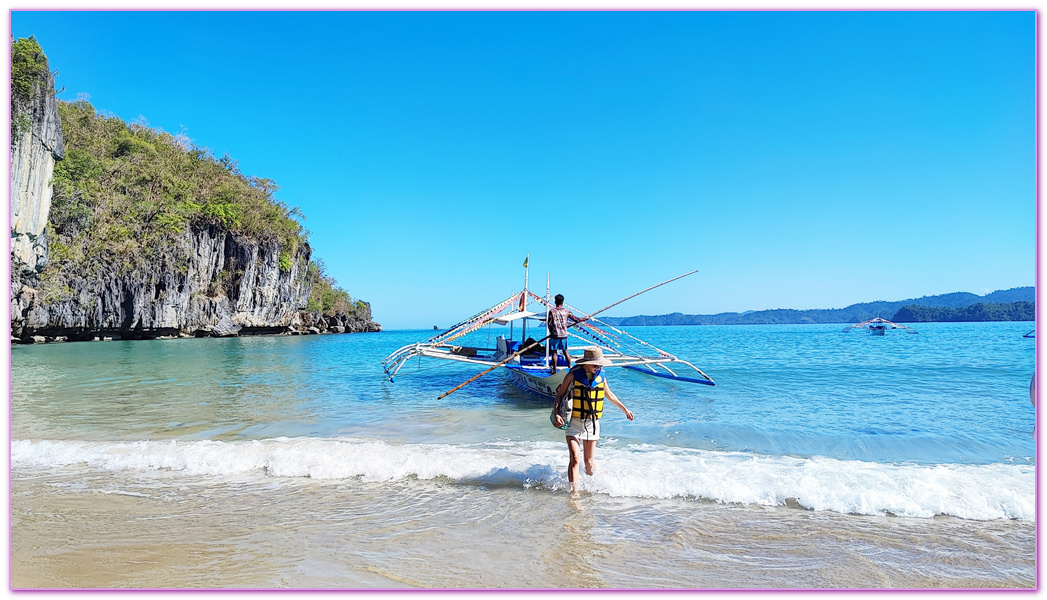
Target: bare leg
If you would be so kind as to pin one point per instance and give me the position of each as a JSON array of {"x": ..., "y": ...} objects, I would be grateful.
[
  {"x": 573, "y": 472},
  {"x": 553, "y": 356},
  {"x": 590, "y": 456}
]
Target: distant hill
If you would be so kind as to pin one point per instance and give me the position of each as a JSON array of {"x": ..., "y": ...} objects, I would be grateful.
[
  {"x": 851, "y": 314},
  {"x": 982, "y": 311}
]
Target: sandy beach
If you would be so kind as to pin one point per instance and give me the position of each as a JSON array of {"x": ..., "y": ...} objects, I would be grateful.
[{"x": 431, "y": 534}]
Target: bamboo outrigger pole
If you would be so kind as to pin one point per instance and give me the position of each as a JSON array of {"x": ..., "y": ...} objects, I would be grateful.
[{"x": 533, "y": 344}]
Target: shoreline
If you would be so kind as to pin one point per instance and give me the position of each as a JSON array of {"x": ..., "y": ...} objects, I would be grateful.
[{"x": 115, "y": 335}]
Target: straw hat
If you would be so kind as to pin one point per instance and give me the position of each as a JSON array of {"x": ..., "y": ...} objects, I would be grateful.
[{"x": 593, "y": 356}]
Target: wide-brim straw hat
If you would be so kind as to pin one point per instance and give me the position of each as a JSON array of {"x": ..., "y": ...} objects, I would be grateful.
[{"x": 593, "y": 356}]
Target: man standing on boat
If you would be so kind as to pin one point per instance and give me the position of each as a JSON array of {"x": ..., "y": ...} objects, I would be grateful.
[{"x": 557, "y": 320}]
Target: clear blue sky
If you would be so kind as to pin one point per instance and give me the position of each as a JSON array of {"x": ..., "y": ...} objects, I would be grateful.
[{"x": 798, "y": 159}]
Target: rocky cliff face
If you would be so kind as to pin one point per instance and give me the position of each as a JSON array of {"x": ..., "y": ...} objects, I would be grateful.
[
  {"x": 212, "y": 283},
  {"x": 33, "y": 156},
  {"x": 358, "y": 320}
]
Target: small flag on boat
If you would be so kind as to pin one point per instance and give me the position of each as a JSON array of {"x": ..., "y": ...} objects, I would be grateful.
[{"x": 525, "y": 259}]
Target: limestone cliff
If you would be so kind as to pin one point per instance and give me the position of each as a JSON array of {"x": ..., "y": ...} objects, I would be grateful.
[
  {"x": 36, "y": 144},
  {"x": 124, "y": 277}
]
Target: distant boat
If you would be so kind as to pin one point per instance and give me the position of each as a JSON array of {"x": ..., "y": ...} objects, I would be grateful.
[
  {"x": 533, "y": 370},
  {"x": 878, "y": 326}
]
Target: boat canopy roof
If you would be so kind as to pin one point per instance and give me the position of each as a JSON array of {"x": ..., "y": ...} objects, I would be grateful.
[{"x": 516, "y": 316}]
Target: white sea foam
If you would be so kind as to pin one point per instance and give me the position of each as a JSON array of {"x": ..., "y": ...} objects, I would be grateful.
[{"x": 982, "y": 492}]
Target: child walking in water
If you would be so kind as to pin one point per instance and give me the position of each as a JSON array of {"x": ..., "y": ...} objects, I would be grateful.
[{"x": 587, "y": 388}]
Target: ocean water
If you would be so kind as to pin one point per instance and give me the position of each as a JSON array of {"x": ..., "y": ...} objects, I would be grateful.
[{"x": 821, "y": 459}]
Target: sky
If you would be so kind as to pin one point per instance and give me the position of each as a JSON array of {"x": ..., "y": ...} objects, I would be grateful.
[{"x": 796, "y": 159}]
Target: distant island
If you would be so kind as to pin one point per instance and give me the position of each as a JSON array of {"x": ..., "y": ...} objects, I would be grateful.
[{"x": 1016, "y": 304}]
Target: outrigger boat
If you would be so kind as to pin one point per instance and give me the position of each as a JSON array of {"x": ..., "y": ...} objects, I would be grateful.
[
  {"x": 533, "y": 369},
  {"x": 878, "y": 326}
]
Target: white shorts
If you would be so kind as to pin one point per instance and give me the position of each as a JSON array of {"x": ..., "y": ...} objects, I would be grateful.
[{"x": 584, "y": 429}]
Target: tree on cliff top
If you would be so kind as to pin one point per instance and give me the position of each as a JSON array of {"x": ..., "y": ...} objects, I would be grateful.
[
  {"x": 28, "y": 70},
  {"x": 326, "y": 296}
]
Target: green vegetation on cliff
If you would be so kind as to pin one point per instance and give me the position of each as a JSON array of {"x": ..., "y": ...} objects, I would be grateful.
[
  {"x": 326, "y": 296},
  {"x": 126, "y": 191},
  {"x": 28, "y": 70}
]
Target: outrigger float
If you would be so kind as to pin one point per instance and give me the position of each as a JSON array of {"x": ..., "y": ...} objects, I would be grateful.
[
  {"x": 879, "y": 326},
  {"x": 532, "y": 370}
]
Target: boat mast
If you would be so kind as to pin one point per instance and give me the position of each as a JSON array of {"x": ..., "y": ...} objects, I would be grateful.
[
  {"x": 523, "y": 296},
  {"x": 547, "y": 315}
]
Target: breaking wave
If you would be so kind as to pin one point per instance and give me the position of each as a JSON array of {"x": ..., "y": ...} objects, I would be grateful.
[{"x": 980, "y": 492}]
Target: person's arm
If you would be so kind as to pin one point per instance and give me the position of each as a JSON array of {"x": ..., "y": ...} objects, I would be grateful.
[
  {"x": 614, "y": 400},
  {"x": 561, "y": 395}
]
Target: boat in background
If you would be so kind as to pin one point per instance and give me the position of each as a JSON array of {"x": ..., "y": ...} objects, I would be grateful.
[
  {"x": 532, "y": 370},
  {"x": 879, "y": 326}
]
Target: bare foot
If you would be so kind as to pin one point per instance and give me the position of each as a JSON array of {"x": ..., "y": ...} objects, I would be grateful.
[
  {"x": 590, "y": 467},
  {"x": 575, "y": 502}
]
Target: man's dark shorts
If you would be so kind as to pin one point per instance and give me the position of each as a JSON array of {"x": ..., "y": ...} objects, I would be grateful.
[{"x": 557, "y": 344}]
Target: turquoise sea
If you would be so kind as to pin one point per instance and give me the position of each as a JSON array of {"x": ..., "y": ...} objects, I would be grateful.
[{"x": 821, "y": 459}]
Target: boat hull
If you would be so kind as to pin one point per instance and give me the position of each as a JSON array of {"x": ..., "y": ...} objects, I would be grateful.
[{"x": 536, "y": 379}]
